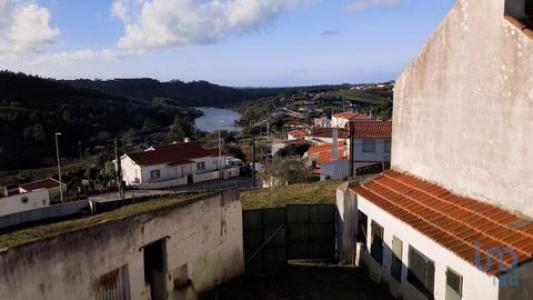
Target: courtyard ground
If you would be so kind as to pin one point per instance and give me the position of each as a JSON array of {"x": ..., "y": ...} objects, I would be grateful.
[{"x": 302, "y": 283}]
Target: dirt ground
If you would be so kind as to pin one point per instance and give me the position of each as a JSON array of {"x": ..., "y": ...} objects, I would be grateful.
[{"x": 302, "y": 284}]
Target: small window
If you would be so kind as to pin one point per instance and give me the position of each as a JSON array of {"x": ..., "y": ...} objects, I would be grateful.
[
  {"x": 369, "y": 146},
  {"x": 114, "y": 285},
  {"x": 155, "y": 174},
  {"x": 454, "y": 285},
  {"x": 421, "y": 272},
  {"x": 362, "y": 221},
  {"x": 24, "y": 200},
  {"x": 387, "y": 146},
  {"x": 200, "y": 166},
  {"x": 376, "y": 248}
]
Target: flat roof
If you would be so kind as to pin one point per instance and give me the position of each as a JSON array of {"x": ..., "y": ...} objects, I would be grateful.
[{"x": 462, "y": 225}]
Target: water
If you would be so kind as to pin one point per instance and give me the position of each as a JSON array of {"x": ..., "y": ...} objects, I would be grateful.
[{"x": 215, "y": 119}]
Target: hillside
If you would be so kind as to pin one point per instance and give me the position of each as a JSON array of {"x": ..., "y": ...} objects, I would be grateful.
[
  {"x": 192, "y": 94},
  {"x": 32, "y": 109}
]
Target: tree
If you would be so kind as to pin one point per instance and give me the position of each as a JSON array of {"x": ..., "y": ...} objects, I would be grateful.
[
  {"x": 295, "y": 149},
  {"x": 285, "y": 171}
]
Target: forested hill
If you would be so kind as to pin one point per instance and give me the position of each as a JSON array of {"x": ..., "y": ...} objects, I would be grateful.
[
  {"x": 32, "y": 109},
  {"x": 192, "y": 94}
]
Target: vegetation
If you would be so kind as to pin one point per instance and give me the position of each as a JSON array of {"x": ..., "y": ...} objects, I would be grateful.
[
  {"x": 294, "y": 149},
  {"x": 304, "y": 193},
  {"x": 45, "y": 231}
]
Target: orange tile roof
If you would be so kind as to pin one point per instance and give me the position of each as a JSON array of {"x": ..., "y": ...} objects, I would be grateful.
[
  {"x": 322, "y": 148},
  {"x": 372, "y": 129},
  {"x": 327, "y": 157},
  {"x": 462, "y": 225},
  {"x": 298, "y": 134},
  {"x": 351, "y": 116}
]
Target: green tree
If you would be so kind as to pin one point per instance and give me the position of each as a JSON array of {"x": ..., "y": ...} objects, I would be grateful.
[{"x": 285, "y": 171}]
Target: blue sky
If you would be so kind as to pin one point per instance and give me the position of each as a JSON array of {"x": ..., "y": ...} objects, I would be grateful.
[{"x": 297, "y": 42}]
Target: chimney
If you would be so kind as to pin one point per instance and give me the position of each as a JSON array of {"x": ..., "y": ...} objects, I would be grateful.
[{"x": 335, "y": 147}]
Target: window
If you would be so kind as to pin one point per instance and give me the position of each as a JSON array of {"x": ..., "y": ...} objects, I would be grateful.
[
  {"x": 387, "y": 146},
  {"x": 114, "y": 285},
  {"x": 24, "y": 200},
  {"x": 421, "y": 272},
  {"x": 376, "y": 248},
  {"x": 362, "y": 223},
  {"x": 200, "y": 166},
  {"x": 369, "y": 146},
  {"x": 155, "y": 174},
  {"x": 521, "y": 11},
  {"x": 454, "y": 285},
  {"x": 396, "y": 266}
]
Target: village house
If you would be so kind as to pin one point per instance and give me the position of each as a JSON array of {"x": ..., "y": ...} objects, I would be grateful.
[
  {"x": 174, "y": 165},
  {"x": 323, "y": 121},
  {"x": 49, "y": 184},
  {"x": 324, "y": 135},
  {"x": 296, "y": 135},
  {"x": 453, "y": 218},
  {"x": 329, "y": 161},
  {"x": 371, "y": 143},
  {"x": 340, "y": 120},
  {"x": 174, "y": 251}
]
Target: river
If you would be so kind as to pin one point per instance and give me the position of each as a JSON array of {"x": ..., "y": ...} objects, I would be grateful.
[{"x": 215, "y": 119}]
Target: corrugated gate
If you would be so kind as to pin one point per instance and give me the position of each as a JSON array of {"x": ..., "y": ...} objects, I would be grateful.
[{"x": 297, "y": 232}]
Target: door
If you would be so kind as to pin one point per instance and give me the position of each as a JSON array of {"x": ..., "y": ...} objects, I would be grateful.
[
  {"x": 155, "y": 268},
  {"x": 376, "y": 248}
]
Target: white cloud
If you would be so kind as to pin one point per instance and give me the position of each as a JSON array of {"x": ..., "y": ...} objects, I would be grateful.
[
  {"x": 31, "y": 28},
  {"x": 164, "y": 23},
  {"x": 361, "y": 5}
]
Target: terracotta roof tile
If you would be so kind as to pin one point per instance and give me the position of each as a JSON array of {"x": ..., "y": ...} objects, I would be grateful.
[
  {"x": 459, "y": 224},
  {"x": 372, "y": 129},
  {"x": 327, "y": 132}
]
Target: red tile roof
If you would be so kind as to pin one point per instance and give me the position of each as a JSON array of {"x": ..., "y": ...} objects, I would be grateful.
[
  {"x": 323, "y": 153},
  {"x": 327, "y": 132},
  {"x": 322, "y": 148},
  {"x": 351, "y": 116},
  {"x": 372, "y": 129},
  {"x": 48, "y": 183},
  {"x": 298, "y": 134},
  {"x": 174, "y": 154},
  {"x": 459, "y": 224},
  {"x": 327, "y": 157}
]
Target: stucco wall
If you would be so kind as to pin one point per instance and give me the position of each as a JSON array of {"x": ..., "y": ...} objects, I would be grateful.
[
  {"x": 476, "y": 284},
  {"x": 203, "y": 234},
  {"x": 463, "y": 108},
  {"x": 33, "y": 200}
]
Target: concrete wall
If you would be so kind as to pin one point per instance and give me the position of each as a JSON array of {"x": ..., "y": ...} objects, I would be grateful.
[
  {"x": 517, "y": 284},
  {"x": 203, "y": 239},
  {"x": 476, "y": 284},
  {"x": 337, "y": 169},
  {"x": 45, "y": 213},
  {"x": 463, "y": 108},
  {"x": 24, "y": 202},
  {"x": 347, "y": 224}
]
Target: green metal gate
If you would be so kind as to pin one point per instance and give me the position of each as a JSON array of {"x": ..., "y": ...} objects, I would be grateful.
[{"x": 297, "y": 232}]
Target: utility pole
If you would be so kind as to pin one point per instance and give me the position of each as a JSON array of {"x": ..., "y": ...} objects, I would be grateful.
[
  {"x": 79, "y": 147},
  {"x": 118, "y": 171},
  {"x": 253, "y": 161},
  {"x": 57, "y": 134},
  {"x": 352, "y": 148}
]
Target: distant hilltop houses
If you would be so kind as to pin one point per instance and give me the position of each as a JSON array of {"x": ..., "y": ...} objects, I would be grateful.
[{"x": 29, "y": 196}]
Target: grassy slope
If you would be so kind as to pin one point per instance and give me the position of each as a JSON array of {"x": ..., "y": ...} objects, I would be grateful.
[
  {"x": 40, "y": 232},
  {"x": 306, "y": 193}
]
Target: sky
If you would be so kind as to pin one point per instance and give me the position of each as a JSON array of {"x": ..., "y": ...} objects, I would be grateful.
[{"x": 241, "y": 43}]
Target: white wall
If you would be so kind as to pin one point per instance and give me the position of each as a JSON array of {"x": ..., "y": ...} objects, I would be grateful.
[
  {"x": 338, "y": 169},
  {"x": 203, "y": 234},
  {"x": 32, "y": 200},
  {"x": 463, "y": 108},
  {"x": 130, "y": 170},
  {"x": 362, "y": 159},
  {"x": 476, "y": 284},
  {"x": 338, "y": 122}
]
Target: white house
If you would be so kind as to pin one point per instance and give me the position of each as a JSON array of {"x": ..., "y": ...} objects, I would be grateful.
[
  {"x": 324, "y": 135},
  {"x": 330, "y": 161},
  {"x": 24, "y": 202},
  {"x": 372, "y": 143},
  {"x": 340, "y": 120},
  {"x": 453, "y": 219},
  {"x": 49, "y": 184},
  {"x": 173, "y": 165}
]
